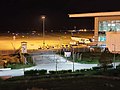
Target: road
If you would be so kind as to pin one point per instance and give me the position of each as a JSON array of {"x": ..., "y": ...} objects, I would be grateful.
[{"x": 47, "y": 62}]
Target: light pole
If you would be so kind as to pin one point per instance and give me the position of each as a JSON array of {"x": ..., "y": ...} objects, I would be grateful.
[
  {"x": 114, "y": 55},
  {"x": 60, "y": 45},
  {"x": 56, "y": 64},
  {"x": 43, "y": 19},
  {"x": 55, "y": 59},
  {"x": 73, "y": 58}
]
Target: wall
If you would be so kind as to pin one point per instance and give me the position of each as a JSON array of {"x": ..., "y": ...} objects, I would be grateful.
[{"x": 113, "y": 41}]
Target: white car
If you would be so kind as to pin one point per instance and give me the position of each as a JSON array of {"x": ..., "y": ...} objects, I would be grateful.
[
  {"x": 86, "y": 41},
  {"x": 73, "y": 42},
  {"x": 81, "y": 40}
]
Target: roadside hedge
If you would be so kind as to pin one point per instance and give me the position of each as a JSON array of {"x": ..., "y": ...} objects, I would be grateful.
[
  {"x": 60, "y": 72},
  {"x": 35, "y": 72}
]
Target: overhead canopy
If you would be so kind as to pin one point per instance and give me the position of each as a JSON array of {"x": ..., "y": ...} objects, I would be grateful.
[{"x": 97, "y": 14}]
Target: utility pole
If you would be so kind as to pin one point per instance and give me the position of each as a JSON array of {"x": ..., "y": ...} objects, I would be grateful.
[
  {"x": 56, "y": 64},
  {"x": 43, "y": 18},
  {"x": 73, "y": 58},
  {"x": 114, "y": 55}
]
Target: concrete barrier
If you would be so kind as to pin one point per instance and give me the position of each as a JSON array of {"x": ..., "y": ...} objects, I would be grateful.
[
  {"x": 4, "y": 69},
  {"x": 12, "y": 73}
]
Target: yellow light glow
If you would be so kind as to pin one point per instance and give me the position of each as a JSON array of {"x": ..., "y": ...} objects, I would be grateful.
[{"x": 43, "y": 17}]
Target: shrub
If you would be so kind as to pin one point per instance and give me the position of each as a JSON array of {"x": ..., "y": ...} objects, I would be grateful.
[
  {"x": 29, "y": 59},
  {"x": 42, "y": 72},
  {"x": 88, "y": 69},
  {"x": 12, "y": 66},
  {"x": 1, "y": 79},
  {"x": 28, "y": 72},
  {"x": 52, "y": 72},
  {"x": 110, "y": 66},
  {"x": 69, "y": 71},
  {"x": 60, "y": 72},
  {"x": 96, "y": 68},
  {"x": 118, "y": 67},
  {"x": 77, "y": 70},
  {"x": 82, "y": 70},
  {"x": 35, "y": 72},
  {"x": 97, "y": 73},
  {"x": 112, "y": 72},
  {"x": 64, "y": 71}
]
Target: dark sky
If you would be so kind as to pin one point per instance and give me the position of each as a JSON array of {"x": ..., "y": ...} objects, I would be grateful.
[{"x": 25, "y": 15}]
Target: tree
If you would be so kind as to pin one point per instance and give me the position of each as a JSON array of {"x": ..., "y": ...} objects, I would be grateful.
[{"x": 105, "y": 59}]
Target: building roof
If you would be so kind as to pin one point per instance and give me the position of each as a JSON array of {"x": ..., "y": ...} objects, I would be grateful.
[{"x": 97, "y": 14}]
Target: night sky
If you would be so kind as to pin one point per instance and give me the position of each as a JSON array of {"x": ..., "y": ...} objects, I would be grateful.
[{"x": 25, "y": 15}]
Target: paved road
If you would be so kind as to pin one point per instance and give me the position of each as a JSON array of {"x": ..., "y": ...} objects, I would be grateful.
[{"x": 48, "y": 62}]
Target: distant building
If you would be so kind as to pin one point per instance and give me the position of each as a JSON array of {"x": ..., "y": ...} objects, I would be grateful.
[
  {"x": 104, "y": 22},
  {"x": 113, "y": 41}
]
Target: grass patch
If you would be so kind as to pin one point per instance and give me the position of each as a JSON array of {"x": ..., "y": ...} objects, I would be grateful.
[
  {"x": 84, "y": 61},
  {"x": 88, "y": 61},
  {"x": 91, "y": 58},
  {"x": 19, "y": 66},
  {"x": 117, "y": 60}
]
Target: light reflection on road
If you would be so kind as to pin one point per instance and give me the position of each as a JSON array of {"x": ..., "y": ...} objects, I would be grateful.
[{"x": 49, "y": 61}]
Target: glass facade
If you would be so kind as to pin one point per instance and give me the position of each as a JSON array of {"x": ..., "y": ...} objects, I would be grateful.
[
  {"x": 102, "y": 38},
  {"x": 109, "y": 25}
]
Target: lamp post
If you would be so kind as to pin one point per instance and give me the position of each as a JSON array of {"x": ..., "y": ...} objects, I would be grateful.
[
  {"x": 55, "y": 59},
  {"x": 43, "y": 20},
  {"x": 56, "y": 64},
  {"x": 114, "y": 54},
  {"x": 60, "y": 45},
  {"x": 73, "y": 58}
]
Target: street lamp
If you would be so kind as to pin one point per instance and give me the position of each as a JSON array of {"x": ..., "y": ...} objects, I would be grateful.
[
  {"x": 43, "y": 19},
  {"x": 60, "y": 44},
  {"x": 55, "y": 59},
  {"x": 114, "y": 54},
  {"x": 73, "y": 58},
  {"x": 56, "y": 64}
]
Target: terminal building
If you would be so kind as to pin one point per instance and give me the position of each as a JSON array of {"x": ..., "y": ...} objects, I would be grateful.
[{"x": 106, "y": 28}]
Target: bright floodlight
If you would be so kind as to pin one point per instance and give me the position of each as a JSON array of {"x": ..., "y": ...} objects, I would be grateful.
[{"x": 43, "y": 17}]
